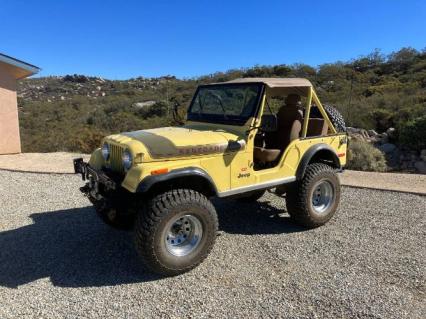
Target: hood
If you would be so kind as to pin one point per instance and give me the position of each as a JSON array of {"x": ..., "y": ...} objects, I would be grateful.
[{"x": 176, "y": 142}]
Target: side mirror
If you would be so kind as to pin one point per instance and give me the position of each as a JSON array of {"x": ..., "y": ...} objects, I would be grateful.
[{"x": 269, "y": 123}]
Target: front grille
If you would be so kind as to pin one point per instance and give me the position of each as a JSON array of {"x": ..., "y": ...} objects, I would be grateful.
[{"x": 115, "y": 161}]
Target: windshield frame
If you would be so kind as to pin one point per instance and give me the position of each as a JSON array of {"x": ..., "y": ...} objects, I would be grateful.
[{"x": 222, "y": 118}]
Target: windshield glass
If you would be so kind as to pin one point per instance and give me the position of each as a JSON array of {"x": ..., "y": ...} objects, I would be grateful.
[{"x": 229, "y": 104}]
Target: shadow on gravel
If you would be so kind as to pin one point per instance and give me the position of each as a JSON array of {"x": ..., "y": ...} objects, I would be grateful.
[
  {"x": 251, "y": 218},
  {"x": 71, "y": 247},
  {"x": 74, "y": 249}
]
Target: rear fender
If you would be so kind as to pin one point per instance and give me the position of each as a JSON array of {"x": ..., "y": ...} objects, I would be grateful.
[{"x": 318, "y": 153}]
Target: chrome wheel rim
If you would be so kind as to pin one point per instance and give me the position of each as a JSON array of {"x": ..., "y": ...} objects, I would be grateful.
[
  {"x": 322, "y": 197},
  {"x": 183, "y": 235}
]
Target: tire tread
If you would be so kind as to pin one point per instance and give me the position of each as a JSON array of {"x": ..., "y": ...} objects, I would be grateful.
[{"x": 152, "y": 214}]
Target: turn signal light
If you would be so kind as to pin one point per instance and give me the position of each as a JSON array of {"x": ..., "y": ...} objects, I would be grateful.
[{"x": 159, "y": 171}]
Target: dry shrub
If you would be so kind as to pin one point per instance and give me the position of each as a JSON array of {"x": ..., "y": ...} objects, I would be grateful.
[{"x": 363, "y": 156}]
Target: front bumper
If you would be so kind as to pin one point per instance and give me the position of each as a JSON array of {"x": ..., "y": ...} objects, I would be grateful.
[{"x": 98, "y": 181}]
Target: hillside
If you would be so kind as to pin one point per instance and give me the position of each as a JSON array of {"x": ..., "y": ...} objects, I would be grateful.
[{"x": 73, "y": 112}]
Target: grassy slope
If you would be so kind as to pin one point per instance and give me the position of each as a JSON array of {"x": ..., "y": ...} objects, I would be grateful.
[{"x": 73, "y": 113}]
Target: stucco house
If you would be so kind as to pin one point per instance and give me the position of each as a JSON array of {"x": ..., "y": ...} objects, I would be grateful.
[{"x": 11, "y": 70}]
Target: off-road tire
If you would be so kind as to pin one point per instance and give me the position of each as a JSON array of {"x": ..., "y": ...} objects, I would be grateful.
[
  {"x": 150, "y": 230},
  {"x": 117, "y": 218},
  {"x": 299, "y": 197},
  {"x": 333, "y": 114},
  {"x": 252, "y": 196}
]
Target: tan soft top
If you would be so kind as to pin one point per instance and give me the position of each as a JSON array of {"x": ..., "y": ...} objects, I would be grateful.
[
  {"x": 275, "y": 82},
  {"x": 279, "y": 86}
]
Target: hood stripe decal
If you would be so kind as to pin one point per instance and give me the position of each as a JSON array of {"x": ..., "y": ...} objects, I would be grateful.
[{"x": 189, "y": 150}]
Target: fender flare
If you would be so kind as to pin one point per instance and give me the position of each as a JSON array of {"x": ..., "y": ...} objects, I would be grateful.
[
  {"x": 311, "y": 152},
  {"x": 149, "y": 181}
]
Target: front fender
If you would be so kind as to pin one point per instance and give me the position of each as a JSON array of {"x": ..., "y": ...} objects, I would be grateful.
[{"x": 193, "y": 173}]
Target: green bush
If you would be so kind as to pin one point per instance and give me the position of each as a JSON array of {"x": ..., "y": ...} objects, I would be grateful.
[
  {"x": 383, "y": 119},
  {"x": 363, "y": 156},
  {"x": 413, "y": 133}
]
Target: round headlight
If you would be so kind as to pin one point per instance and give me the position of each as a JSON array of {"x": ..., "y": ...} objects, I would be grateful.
[
  {"x": 127, "y": 159},
  {"x": 105, "y": 151}
]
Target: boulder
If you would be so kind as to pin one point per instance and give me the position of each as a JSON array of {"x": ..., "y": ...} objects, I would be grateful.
[
  {"x": 372, "y": 133},
  {"x": 387, "y": 147},
  {"x": 353, "y": 130},
  {"x": 141, "y": 105},
  {"x": 420, "y": 167},
  {"x": 391, "y": 132},
  {"x": 364, "y": 133}
]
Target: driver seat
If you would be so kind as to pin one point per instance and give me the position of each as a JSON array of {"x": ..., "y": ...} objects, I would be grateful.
[
  {"x": 290, "y": 119},
  {"x": 260, "y": 153},
  {"x": 265, "y": 155}
]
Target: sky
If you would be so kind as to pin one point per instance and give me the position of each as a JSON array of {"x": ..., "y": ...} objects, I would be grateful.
[{"x": 124, "y": 39}]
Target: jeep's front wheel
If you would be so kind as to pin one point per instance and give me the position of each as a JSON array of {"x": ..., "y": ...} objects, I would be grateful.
[
  {"x": 314, "y": 200},
  {"x": 176, "y": 231}
]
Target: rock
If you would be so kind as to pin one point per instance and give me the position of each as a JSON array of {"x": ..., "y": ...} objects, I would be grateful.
[
  {"x": 372, "y": 133},
  {"x": 144, "y": 104},
  {"x": 387, "y": 148},
  {"x": 352, "y": 130},
  {"x": 391, "y": 132},
  {"x": 364, "y": 134},
  {"x": 420, "y": 167}
]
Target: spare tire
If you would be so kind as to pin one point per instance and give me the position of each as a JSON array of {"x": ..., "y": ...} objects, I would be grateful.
[{"x": 333, "y": 114}]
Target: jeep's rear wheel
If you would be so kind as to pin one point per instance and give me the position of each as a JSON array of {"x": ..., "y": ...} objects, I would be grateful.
[
  {"x": 176, "y": 231},
  {"x": 314, "y": 200}
]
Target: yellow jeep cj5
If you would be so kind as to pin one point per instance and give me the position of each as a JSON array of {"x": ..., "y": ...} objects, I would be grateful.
[{"x": 241, "y": 138}]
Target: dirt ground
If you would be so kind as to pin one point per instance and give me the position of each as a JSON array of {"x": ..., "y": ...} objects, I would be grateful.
[
  {"x": 61, "y": 162},
  {"x": 58, "y": 260}
]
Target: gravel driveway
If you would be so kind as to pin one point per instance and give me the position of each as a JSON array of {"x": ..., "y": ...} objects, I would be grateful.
[{"x": 58, "y": 260}]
